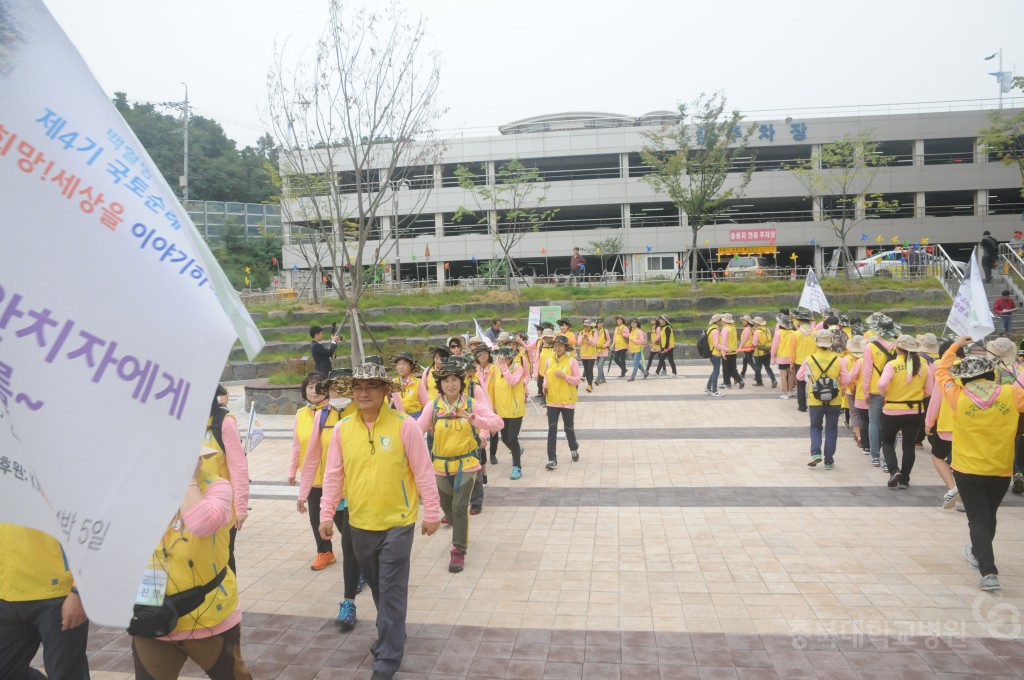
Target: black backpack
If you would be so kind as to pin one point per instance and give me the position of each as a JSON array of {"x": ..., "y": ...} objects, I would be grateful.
[
  {"x": 704, "y": 345},
  {"x": 824, "y": 389}
]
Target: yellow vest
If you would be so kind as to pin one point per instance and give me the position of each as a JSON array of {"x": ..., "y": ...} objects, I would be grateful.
[
  {"x": 785, "y": 348},
  {"x": 411, "y": 395},
  {"x": 901, "y": 391},
  {"x": 713, "y": 331},
  {"x": 983, "y": 439},
  {"x": 191, "y": 561},
  {"x": 545, "y": 354},
  {"x": 304, "y": 428},
  {"x": 379, "y": 483},
  {"x": 858, "y": 392},
  {"x": 823, "y": 357},
  {"x": 634, "y": 341},
  {"x": 603, "y": 338},
  {"x": 656, "y": 344},
  {"x": 490, "y": 371},
  {"x": 875, "y": 361},
  {"x": 456, "y": 442},
  {"x": 734, "y": 339},
  {"x": 509, "y": 400},
  {"x": 804, "y": 345},
  {"x": 559, "y": 391},
  {"x": 571, "y": 337},
  {"x": 621, "y": 342},
  {"x": 848, "y": 360},
  {"x": 588, "y": 349},
  {"x": 762, "y": 342},
  {"x": 671, "y": 342},
  {"x": 218, "y": 464},
  {"x": 944, "y": 421},
  {"x": 32, "y": 564},
  {"x": 431, "y": 384}
]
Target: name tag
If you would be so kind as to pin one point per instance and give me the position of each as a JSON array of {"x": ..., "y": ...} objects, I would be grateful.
[{"x": 153, "y": 588}]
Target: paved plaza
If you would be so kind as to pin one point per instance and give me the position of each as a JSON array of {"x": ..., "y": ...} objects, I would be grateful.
[{"x": 691, "y": 540}]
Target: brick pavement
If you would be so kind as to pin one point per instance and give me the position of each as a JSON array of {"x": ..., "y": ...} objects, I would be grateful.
[{"x": 690, "y": 541}]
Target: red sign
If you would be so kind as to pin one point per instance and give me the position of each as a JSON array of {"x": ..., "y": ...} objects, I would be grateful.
[{"x": 744, "y": 235}]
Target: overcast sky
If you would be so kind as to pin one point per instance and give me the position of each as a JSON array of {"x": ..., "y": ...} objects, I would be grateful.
[{"x": 511, "y": 59}]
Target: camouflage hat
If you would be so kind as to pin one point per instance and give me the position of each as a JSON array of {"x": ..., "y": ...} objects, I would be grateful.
[
  {"x": 884, "y": 327},
  {"x": 368, "y": 371},
  {"x": 972, "y": 367}
]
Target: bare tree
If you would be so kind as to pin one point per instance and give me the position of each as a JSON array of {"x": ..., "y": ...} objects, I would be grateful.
[
  {"x": 691, "y": 159},
  {"x": 511, "y": 206},
  {"x": 839, "y": 175},
  {"x": 352, "y": 117}
]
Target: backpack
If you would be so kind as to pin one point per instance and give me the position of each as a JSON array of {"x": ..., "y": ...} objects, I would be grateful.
[
  {"x": 704, "y": 345},
  {"x": 889, "y": 356},
  {"x": 824, "y": 389}
]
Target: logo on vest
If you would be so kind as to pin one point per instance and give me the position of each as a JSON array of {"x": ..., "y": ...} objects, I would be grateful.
[{"x": 385, "y": 443}]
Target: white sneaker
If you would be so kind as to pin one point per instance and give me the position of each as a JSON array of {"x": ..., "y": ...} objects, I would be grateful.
[
  {"x": 717, "y": 394},
  {"x": 950, "y": 499},
  {"x": 784, "y": 395},
  {"x": 707, "y": 390},
  {"x": 960, "y": 506}
]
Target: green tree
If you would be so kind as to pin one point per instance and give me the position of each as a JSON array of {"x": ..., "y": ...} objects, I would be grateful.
[
  {"x": 1005, "y": 136},
  {"x": 692, "y": 158},
  {"x": 258, "y": 253},
  {"x": 606, "y": 249},
  {"x": 839, "y": 175},
  {"x": 511, "y": 207}
]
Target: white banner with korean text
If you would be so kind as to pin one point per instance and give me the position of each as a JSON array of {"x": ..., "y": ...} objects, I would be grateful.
[
  {"x": 813, "y": 297},
  {"x": 971, "y": 314},
  {"x": 115, "y": 320}
]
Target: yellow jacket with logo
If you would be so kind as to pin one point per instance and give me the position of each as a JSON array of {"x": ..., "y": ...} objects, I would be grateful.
[
  {"x": 621, "y": 341},
  {"x": 558, "y": 390},
  {"x": 32, "y": 565},
  {"x": 454, "y": 441},
  {"x": 304, "y": 428},
  {"x": 637, "y": 338},
  {"x": 411, "y": 395},
  {"x": 588, "y": 344},
  {"x": 510, "y": 400}
]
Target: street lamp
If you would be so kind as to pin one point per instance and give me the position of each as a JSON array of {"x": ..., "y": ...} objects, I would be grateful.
[{"x": 396, "y": 186}]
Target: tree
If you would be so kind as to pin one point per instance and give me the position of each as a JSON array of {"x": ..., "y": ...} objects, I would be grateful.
[
  {"x": 237, "y": 252},
  {"x": 350, "y": 118},
  {"x": 606, "y": 248},
  {"x": 691, "y": 159},
  {"x": 1005, "y": 136},
  {"x": 510, "y": 206},
  {"x": 839, "y": 175}
]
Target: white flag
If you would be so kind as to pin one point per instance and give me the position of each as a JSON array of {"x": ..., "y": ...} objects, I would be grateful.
[
  {"x": 115, "y": 320},
  {"x": 1005, "y": 79},
  {"x": 480, "y": 334},
  {"x": 813, "y": 297},
  {"x": 255, "y": 434},
  {"x": 971, "y": 314}
]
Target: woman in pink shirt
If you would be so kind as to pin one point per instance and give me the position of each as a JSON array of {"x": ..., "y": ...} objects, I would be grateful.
[{"x": 938, "y": 428}]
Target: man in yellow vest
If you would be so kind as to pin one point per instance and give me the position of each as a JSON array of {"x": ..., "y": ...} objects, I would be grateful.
[
  {"x": 985, "y": 417},
  {"x": 39, "y": 604},
  {"x": 379, "y": 458},
  {"x": 803, "y": 347},
  {"x": 561, "y": 384}
]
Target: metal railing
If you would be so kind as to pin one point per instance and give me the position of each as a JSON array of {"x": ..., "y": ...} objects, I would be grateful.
[
  {"x": 952, "y": 273},
  {"x": 1011, "y": 266}
]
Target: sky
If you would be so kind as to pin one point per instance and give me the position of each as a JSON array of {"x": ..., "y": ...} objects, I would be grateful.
[{"x": 503, "y": 61}]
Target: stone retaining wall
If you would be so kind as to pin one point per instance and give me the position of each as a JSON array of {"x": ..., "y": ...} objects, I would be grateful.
[{"x": 277, "y": 400}]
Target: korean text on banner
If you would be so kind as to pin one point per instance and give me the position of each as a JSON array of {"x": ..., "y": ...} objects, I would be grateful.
[
  {"x": 813, "y": 297},
  {"x": 970, "y": 314},
  {"x": 547, "y": 313},
  {"x": 115, "y": 321}
]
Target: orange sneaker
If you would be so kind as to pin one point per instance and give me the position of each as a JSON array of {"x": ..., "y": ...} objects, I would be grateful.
[{"x": 322, "y": 561}]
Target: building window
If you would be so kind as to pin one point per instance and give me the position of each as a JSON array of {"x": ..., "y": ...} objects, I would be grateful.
[
  {"x": 949, "y": 151},
  {"x": 661, "y": 263}
]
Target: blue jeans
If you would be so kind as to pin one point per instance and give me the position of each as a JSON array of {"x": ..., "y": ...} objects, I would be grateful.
[
  {"x": 875, "y": 425},
  {"x": 600, "y": 368},
  {"x": 830, "y": 415},
  {"x": 637, "y": 358},
  {"x": 1004, "y": 321},
  {"x": 716, "y": 368}
]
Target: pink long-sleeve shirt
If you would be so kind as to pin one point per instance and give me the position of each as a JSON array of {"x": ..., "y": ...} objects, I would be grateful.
[
  {"x": 853, "y": 376},
  {"x": 775, "y": 348},
  {"x": 745, "y": 339},
  {"x": 886, "y": 378},
  {"x": 931, "y": 416},
  {"x": 419, "y": 463},
  {"x": 723, "y": 338},
  {"x": 573, "y": 378},
  {"x": 203, "y": 520},
  {"x": 485, "y": 419},
  {"x": 238, "y": 466}
]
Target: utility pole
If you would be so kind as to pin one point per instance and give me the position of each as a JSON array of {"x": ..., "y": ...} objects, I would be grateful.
[
  {"x": 184, "y": 178},
  {"x": 999, "y": 77}
]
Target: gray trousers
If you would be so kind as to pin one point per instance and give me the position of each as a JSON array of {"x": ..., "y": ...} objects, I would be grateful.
[
  {"x": 877, "y": 401},
  {"x": 384, "y": 557},
  {"x": 477, "y": 499},
  {"x": 455, "y": 505},
  {"x": 24, "y": 625}
]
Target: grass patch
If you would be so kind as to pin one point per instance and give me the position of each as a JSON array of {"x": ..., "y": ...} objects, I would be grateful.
[{"x": 286, "y": 378}]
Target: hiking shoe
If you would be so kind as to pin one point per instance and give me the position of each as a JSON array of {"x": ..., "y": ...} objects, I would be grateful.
[
  {"x": 475, "y": 511},
  {"x": 775, "y": 383},
  {"x": 575, "y": 455},
  {"x": 829, "y": 465},
  {"x": 904, "y": 484},
  {"x": 723, "y": 386},
  {"x": 360, "y": 584},
  {"x": 950, "y": 498},
  {"x": 894, "y": 480},
  {"x": 322, "y": 561},
  {"x": 647, "y": 375},
  {"x": 444, "y": 520},
  {"x": 989, "y": 582},
  {"x": 381, "y": 675},
  {"x": 960, "y": 506},
  {"x": 1018, "y": 483},
  {"x": 458, "y": 561},
  {"x": 552, "y": 465},
  {"x": 630, "y": 379},
  {"x": 971, "y": 559},
  {"x": 516, "y": 473},
  {"x": 876, "y": 462},
  {"x": 815, "y": 459},
  {"x": 885, "y": 467},
  {"x": 494, "y": 460},
  {"x": 742, "y": 384},
  {"x": 346, "y": 616},
  {"x": 717, "y": 394}
]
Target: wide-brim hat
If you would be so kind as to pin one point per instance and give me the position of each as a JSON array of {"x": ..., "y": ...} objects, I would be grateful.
[
  {"x": 747, "y": 318},
  {"x": 715, "y": 318},
  {"x": 785, "y": 322},
  {"x": 929, "y": 343},
  {"x": 373, "y": 359},
  {"x": 664, "y": 318},
  {"x": 884, "y": 327},
  {"x": 858, "y": 329},
  {"x": 475, "y": 340},
  {"x": 972, "y": 367},
  {"x": 504, "y": 353},
  {"x": 759, "y": 321},
  {"x": 504, "y": 337},
  {"x": 823, "y": 338},
  {"x": 339, "y": 373},
  {"x": 908, "y": 343},
  {"x": 482, "y": 347},
  {"x": 802, "y": 314},
  {"x": 451, "y": 366},
  {"x": 727, "y": 318},
  {"x": 564, "y": 339},
  {"x": 588, "y": 323},
  {"x": 548, "y": 333},
  {"x": 455, "y": 338},
  {"x": 404, "y": 356},
  {"x": 856, "y": 345},
  {"x": 564, "y": 322},
  {"x": 366, "y": 371},
  {"x": 1002, "y": 349},
  {"x": 443, "y": 351},
  {"x": 844, "y": 320}
]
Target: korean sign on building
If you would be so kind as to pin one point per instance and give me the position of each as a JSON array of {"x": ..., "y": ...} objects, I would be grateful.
[{"x": 746, "y": 235}]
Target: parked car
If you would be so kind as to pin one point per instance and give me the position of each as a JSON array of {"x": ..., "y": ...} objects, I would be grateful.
[
  {"x": 746, "y": 266},
  {"x": 904, "y": 264}
]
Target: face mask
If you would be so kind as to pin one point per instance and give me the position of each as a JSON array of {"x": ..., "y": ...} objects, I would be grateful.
[{"x": 339, "y": 403}]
